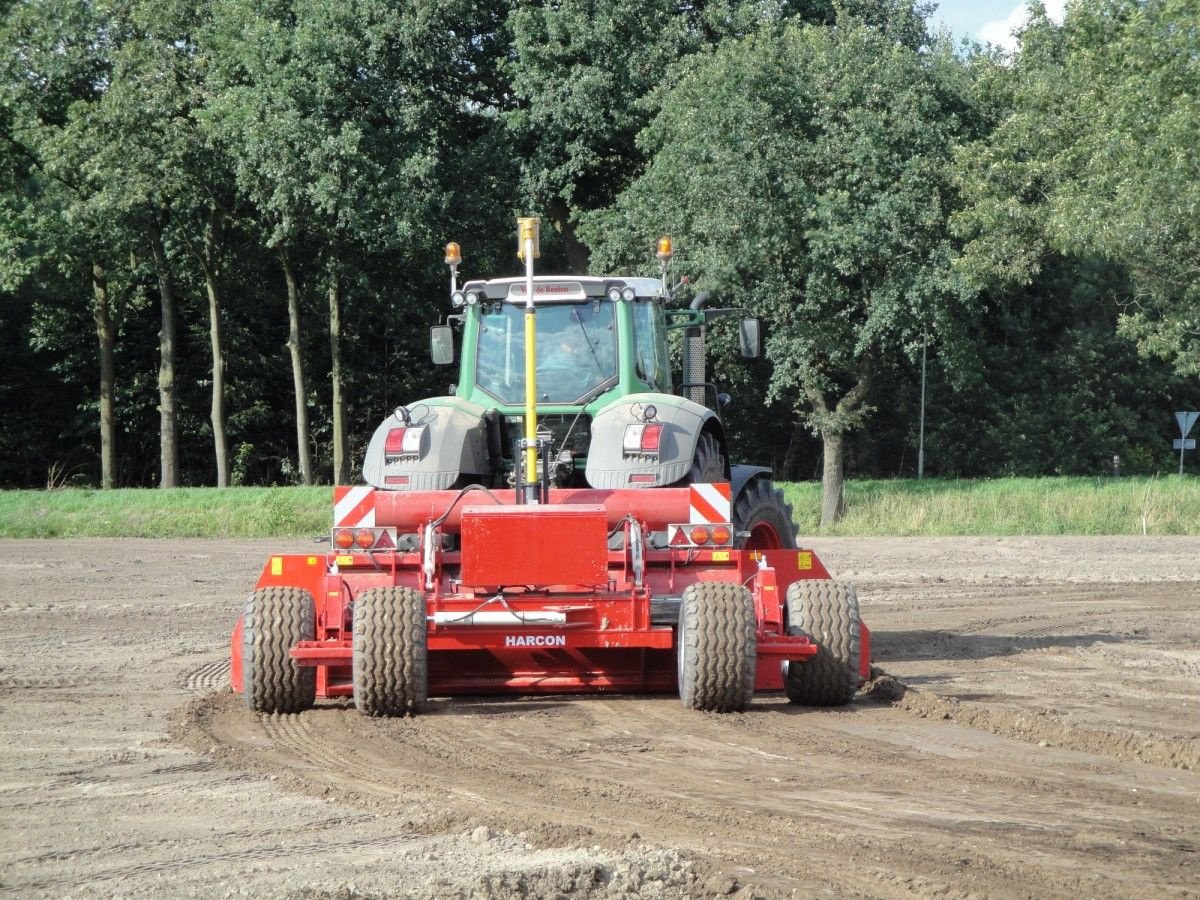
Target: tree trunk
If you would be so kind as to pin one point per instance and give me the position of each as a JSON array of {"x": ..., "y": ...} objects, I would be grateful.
[
  {"x": 341, "y": 452},
  {"x": 293, "y": 343},
  {"x": 168, "y": 428},
  {"x": 833, "y": 425},
  {"x": 102, "y": 315},
  {"x": 788, "y": 469},
  {"x": 833, "y": 500},
  {"x": 577, "y": 251},
  {"x": 216, "y": 340}
]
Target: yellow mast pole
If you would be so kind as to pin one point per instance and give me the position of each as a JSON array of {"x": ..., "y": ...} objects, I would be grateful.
[{"x": 527, "y": 249}]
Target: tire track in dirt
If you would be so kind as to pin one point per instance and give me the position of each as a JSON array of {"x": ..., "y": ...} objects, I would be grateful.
[
  {"x": 237, "y": 835},
  {"x": 739, "y": 792},
  {"x": 174, "y": 866},
  {"x": 211, "y": 676}
]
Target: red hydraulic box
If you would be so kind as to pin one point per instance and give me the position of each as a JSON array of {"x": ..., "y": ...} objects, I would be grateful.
[{"x": 534, "y": 545}]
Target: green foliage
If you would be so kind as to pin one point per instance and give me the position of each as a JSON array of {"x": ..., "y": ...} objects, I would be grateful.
[
  {"x": 805, "y": 173},
  {"x": 1095, "y": 156},
  {"x": 806, "y": 165}
]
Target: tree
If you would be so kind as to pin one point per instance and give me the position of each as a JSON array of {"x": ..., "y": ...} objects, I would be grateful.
[
  {"x": 805, "y": 174},
  {"x": 582, "y": 75},
  {"x": 63, "y": 59},
  {"x": 338, "y": 116},
  {"x": 1096, "y": 157}
]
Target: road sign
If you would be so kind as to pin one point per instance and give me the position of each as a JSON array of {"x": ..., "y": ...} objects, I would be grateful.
[{"x": 1186, "y": 420}]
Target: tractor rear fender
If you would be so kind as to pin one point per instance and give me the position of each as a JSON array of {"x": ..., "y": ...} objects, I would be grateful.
[
  {"x": 610, "y": 465},
  {"x": 447, "y": 437},
  {"x": 740, "y": 476}
]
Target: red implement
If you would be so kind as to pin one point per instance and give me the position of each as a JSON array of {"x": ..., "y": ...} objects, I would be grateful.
[{"x": 582, "y": 594}]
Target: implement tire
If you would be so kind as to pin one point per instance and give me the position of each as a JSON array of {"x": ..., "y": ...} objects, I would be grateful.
[
  {"x": 391, "y": 657},
  {"x": 827, "y": 613},
  {"x": 716, "y": 647},
  {"x": 761, "y": 511},
  {"x": 274, "y": 620}
]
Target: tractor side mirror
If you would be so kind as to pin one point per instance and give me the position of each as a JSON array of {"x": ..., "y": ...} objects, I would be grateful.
[
  {"x": 441, "y": 345},
  {"x": 749, "y": 339}
]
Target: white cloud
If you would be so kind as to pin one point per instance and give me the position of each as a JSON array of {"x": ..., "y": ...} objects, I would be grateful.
[{"x": 1001, "y": 31}]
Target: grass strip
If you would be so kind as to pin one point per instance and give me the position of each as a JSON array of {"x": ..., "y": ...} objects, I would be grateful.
[
  {"x": 182, "y": 512},
  {"x": 1007, "y": 506},
  {"x": 932, "y": 507}
]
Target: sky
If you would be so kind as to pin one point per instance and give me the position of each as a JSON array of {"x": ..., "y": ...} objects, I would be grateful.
[{"x": 989, "y": 21}]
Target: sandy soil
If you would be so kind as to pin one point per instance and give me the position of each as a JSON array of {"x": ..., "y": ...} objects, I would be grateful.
[{"x": 1048, "y": 744}]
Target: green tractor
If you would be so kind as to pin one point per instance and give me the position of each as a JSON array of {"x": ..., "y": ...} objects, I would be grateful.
[{"x": 610, "y": 414}]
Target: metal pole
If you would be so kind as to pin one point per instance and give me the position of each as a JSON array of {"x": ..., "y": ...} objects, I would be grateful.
[
  {"x": 528, "y": 236},
  {"x": 921, "y": 439}
]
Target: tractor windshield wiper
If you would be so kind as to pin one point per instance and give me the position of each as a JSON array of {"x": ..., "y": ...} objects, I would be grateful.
[{"x": 588, "y": 339}]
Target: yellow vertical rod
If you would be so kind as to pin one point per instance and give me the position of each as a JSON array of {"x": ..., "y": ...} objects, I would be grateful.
[{"x": 532, "y": 481}]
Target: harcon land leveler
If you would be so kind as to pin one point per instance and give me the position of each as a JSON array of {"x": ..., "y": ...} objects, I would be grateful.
[{"x": 566, "y": 520}]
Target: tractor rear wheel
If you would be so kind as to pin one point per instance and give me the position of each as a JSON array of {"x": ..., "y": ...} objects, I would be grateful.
[
  {"x": 273, "y": 621},
  {"x": 391, "y": 660},
  {"x": 827, "y": 613},
  {"x": 761, "y": 512},
  {"x": 716, "y": 647},
  {"x": 708, "y": 463}
]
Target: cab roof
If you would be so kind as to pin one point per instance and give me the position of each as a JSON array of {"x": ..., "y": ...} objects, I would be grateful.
[{"x": 562, "y": 288}]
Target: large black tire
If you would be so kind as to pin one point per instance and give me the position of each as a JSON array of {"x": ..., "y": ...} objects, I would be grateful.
[
  {"x": 708, "y": 463},
  {"x": 761, "y": 513},
  {"x": 273, "y": 621},
  {"x": 391, "y": 657},
  {"x": 826, "y": 612},
  {"x": 716, "y": 647}
]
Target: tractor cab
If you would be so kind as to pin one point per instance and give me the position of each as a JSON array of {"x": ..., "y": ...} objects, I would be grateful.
[{"x": 593, "y": 379}]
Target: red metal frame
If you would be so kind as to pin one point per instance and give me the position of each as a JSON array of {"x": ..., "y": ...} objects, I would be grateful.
[{"x": 606, "y": 639}]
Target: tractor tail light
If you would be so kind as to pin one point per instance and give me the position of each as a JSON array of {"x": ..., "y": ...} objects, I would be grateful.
[
  {"x": 721, "y": 534},
  {"x": 700, "y": 535},
  {"x": 404, "y": 441},
  {"x": 643, "y": 438},
  {"x": 343, "y": 538},
  {"x": 365, "y": 538}
]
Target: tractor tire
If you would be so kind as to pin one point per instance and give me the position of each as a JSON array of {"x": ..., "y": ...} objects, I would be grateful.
[
  {"x": 716, "y": 647},
  {"x": 391, "y": 657},
  {"x": 761, "y": 511},
  {"x": 708, "y": 463},
  {"x": 827, "y": 613},
  {"x": 273, "y": 621}
]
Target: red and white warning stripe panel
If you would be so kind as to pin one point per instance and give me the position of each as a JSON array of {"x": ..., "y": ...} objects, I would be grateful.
[
  {"x": 710, "y": 504},
  {"x": 354, "y": 507}
]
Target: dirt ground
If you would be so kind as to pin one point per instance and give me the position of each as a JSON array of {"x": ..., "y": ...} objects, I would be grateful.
[{"x": 1047, "y": 745}]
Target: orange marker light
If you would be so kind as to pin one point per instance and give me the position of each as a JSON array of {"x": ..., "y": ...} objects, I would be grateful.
[
  {"x": 453, "y": 254},
  {"x": 664, "y": 248}
]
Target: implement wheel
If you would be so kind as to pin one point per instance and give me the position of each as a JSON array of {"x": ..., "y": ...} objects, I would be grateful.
[
  {"x": 761, "y": 510},
  {"x": 390, "y": 664},
  {"x": 827, "y": 613},
  {"x": 715, "y": 647},
  {"x": 273, "y": 621}
]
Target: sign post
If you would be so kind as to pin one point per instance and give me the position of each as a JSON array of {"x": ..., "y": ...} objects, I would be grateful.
[{"x": 1186, "y": 420}]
